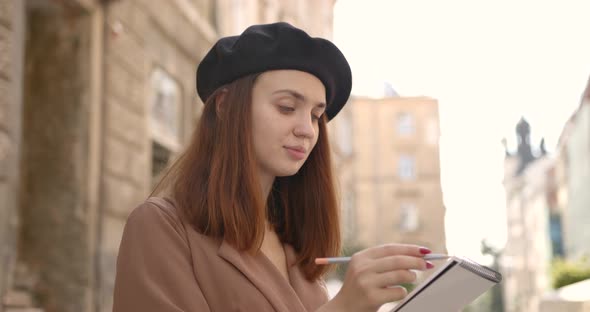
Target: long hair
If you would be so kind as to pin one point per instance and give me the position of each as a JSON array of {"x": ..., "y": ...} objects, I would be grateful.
[{"x": 215, "y": 185}]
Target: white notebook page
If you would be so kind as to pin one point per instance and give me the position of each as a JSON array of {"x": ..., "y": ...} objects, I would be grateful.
[{"x": 450, "y": 289}]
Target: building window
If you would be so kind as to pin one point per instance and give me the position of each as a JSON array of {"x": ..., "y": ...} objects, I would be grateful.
[
  {"x": 405, "y": 124},
  {"x": 213, "y": 14},
  {"x": 165, "y": 120},
  {"x": 240, "y": 13},
  {"x": 406, "y": 167},
  {"x": 556, "y": 233},
  {"x": 269, "y": 10},
  {"x": 160, "y": 159},
  {"x": 408, "y": 215},
  {"x": 165, "y": 110}
]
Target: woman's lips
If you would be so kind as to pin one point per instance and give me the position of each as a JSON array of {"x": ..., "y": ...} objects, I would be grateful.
[{"x": 296, "y": 152}]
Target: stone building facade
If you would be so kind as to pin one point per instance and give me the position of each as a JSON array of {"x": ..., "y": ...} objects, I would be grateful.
[
  {"x": 534, "y": 185},
  {"x": 546, "y": 201},
  {"x": 576, "y": 215},
  {"x": 389, "y": 170},
  {"x": 528, "y": 251},
  {"x": 96, "y": 98}
]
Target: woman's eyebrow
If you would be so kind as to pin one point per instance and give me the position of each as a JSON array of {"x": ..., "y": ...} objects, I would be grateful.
[{"x": 298, "y": 96}]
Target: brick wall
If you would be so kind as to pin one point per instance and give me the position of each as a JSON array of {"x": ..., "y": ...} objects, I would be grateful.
[{"x": 141, "y": 36}]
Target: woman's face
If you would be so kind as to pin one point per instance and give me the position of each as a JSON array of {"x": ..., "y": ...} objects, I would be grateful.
[{"x": 286, "y": 107}]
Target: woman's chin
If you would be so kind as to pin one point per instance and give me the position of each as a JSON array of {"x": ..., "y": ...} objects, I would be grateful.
[{"x": 286, "y": 172}]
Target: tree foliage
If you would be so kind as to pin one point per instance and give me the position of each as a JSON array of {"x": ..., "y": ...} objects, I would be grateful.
[{"x": 564, "y": 272}]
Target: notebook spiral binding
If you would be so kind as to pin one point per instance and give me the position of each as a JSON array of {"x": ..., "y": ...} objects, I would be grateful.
[{"x": 482, "y": 271}]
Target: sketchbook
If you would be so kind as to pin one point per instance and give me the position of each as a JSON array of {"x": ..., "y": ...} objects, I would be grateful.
[{"x": 454, "y": 285}]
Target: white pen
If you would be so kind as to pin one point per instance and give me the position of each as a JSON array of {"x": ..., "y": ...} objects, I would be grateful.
[{"x": 334, "y": 260}]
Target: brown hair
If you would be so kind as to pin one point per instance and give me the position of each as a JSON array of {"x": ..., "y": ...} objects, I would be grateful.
[{"x": 215, "y": 185}]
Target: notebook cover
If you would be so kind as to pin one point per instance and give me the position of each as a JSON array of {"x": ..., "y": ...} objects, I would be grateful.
[{"x": 453, "y": 286}]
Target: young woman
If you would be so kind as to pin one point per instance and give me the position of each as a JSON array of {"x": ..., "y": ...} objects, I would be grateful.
[{"x": 250, "y": 204}]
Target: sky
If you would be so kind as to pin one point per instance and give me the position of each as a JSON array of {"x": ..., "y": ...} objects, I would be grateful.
[{"x": 487, "y": 63}]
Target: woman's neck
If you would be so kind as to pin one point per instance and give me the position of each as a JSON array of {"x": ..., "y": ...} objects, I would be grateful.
[{"x": 266, "y": 182}]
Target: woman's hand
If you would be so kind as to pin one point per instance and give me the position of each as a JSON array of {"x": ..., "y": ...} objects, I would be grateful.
[{"x": 374, "y": 275}]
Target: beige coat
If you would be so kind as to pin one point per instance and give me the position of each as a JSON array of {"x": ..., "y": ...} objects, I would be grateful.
[{"x": 165, "y": 265}]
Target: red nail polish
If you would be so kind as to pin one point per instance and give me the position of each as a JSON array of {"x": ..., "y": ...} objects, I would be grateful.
[
  {"x": 424, "y": 250},
  {"x": 429, "y": 265}
]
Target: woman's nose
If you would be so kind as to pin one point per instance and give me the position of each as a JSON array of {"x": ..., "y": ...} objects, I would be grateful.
[{"x": 304, "y": 127}]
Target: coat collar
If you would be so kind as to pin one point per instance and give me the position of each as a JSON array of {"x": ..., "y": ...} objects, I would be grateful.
[
  {"x": 295, "y": 295},
  {"x": 270, "y": 282}
]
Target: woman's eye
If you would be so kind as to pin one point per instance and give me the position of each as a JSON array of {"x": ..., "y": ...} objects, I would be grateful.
[
  {"x": 286, "y": 109},
  {"x": 315, "y": 118}
]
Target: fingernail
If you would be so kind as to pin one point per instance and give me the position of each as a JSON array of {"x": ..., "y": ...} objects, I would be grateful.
[
  {"x": 424, "y": 250},
  {"x": 429, "y": 265}
]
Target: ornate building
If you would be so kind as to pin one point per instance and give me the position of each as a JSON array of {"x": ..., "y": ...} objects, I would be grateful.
[
  {"x": 531, "y": 206},
  {"x": 547, "y": 199}
]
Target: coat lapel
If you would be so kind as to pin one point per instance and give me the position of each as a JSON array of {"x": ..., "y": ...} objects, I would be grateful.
[{"x": 265, "y": 277}]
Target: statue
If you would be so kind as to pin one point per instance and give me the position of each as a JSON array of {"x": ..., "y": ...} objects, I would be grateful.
[
  {"x": 525, "y": 154},
  {"x": 542, "y": 147}
]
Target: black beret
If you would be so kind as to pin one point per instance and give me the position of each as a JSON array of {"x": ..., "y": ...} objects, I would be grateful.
[{"x": 276, "y": 46}]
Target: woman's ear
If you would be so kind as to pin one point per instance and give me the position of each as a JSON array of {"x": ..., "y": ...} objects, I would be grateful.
[{"x": 220, "y": 102}]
